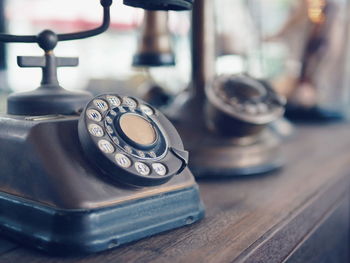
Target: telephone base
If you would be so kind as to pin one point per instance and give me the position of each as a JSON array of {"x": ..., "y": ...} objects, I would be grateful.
[
  {"x": 222, "y": 157},
  {"x": 72, "y": 231},
  {"x": 52, "y": 198}
]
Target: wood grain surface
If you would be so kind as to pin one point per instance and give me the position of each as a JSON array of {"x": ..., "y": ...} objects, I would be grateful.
[{"x": 252, "y": 219}]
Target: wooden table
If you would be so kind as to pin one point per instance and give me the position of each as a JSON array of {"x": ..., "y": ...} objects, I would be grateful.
[{"x": 299, "y": 214}]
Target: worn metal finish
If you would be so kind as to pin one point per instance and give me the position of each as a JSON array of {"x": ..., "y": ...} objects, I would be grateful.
[
  {"x": 43, "y": 161},
  {"x": 60, "y": 231},
  {"x": 46, "y": 180}
]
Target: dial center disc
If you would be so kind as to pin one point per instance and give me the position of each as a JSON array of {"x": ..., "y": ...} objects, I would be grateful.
[{"x": 137, "y": 129}]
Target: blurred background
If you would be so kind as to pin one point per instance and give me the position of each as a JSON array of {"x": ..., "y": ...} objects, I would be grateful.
[
  {"x": 300, "y": 46},
  {"x": 105, "y": 61}
]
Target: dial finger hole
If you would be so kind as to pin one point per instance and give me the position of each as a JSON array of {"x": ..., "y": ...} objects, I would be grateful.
[
  {"x": 96, "y": 130},
  {"x": 105, "y": 146}
]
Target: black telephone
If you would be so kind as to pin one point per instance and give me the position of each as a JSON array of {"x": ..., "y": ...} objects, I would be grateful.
[{"x": 82, "y": 174}]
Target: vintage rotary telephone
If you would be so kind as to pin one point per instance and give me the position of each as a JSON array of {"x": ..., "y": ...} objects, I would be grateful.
[
  {"x": 82, "y": 175},
  {"x": 227, "y": 130},
  {"x": 225, "y": 122}
]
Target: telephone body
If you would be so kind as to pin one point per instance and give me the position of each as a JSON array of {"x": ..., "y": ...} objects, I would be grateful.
[{"x": 114, "y": 174}]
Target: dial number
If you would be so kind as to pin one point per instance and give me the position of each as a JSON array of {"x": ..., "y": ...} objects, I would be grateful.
[
  {"x": 147, "y": 110},
  {"x": 106, "y": 146},
  {"x": 122, "y": 160},
  {"x": 96, "y": 130},
  {"x": 159, "y": 168},
  {"x": 142, "y": 168},
  {"x": 131, "y": 103},
  {"x": 114, "y": 101},
  {"x": 101, "y": 105},
  {"x": 94, "y": 115}
]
